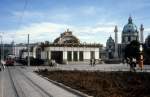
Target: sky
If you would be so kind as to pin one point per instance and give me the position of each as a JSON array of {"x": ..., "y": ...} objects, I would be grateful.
[{"x": 92, "y": 21}]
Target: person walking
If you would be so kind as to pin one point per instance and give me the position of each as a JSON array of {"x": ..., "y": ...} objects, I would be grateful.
[
  {"x": 2, "y": 64},
  {"x": 94, "y": 62},
  {"x": 91, "y": 62},
  {"x": 133, "y": 64}
]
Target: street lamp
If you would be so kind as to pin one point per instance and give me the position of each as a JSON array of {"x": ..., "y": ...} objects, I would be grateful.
[
  {"x": 1, "y": 48},
  {"x": 141, "y": 57},
  {"x": 28, "y": 51},
  {"x": 2, "y": 52}
]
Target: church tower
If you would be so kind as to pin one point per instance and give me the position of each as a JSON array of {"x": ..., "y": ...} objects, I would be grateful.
[
  {"x": 116, "y": 42},
  {"x": 141, "y": 33}
]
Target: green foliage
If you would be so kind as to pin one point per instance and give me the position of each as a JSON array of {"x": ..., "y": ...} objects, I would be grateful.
[
  {"x": 146, "y": 55},
  {"x": 132, "y": 49}
]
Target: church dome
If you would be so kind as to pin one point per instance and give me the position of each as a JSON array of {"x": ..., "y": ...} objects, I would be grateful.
[
  {"x": 110, "y": 47},
  {"x": 110, "y": 40},
  {"x": 130, "y": 32},
  {"x": 67, "y": 37},
  {"x": 130, "y": 27}
]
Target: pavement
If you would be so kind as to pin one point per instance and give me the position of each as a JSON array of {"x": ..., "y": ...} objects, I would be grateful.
[
  {"x": 20, "y": 82},
  {"x": 98, "y": 67}
]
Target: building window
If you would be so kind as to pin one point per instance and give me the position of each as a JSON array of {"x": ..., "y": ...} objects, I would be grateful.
[
  {"x": 81, "y": 55},
  {"x": 75, "y": 56},
  {"x": 69, "y": 56}
]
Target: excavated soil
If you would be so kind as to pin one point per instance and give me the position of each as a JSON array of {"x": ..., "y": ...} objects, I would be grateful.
[{"x": 103, "y": 84}]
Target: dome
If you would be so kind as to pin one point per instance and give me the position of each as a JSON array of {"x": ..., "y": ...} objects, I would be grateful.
[
  {"x": 67, "y": 37},
  {"x": 130, "y": 27},
  {"x": 110, "y": 40},
  {"x": 110, "y": 47}
]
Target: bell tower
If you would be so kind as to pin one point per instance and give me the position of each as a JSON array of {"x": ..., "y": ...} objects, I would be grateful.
[
  {"x": 141, "y": 33},
  {"x": 116, "y": 42}
]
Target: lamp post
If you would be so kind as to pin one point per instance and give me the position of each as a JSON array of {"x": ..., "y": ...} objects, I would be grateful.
[
  {"x": 2, "y": 52},
  {"x": 141, "y": 57},
  {"x": 1, "y": 49},
  {"x": 28, "y": 51}
]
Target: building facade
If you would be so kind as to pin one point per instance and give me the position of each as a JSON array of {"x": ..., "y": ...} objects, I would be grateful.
[
  {"x": 65, "y": 49},
  {"x": 130, "y": 32}
]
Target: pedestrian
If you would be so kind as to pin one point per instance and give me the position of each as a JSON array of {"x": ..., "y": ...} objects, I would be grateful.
[
  {"x": 91, "y": 61},
  {"x": 132, "y": 64},
  {"x": 94, "y": 62},
  {"x": 128, "y": 61}
]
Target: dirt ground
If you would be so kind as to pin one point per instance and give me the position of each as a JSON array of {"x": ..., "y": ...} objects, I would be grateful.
[{"x": 104, "y": 84}]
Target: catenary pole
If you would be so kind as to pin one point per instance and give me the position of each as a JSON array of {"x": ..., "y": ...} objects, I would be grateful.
[{"x": 28, "y": 51}]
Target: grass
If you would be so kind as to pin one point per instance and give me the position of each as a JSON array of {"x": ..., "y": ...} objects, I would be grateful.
[{"x": 103, "y": 84}]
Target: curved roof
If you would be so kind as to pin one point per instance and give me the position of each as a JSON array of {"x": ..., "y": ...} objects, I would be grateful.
[
  {"x": 110, "y": 40},
  {"x": 67, "y": 37},
  {"x": 130, "y": 27}
]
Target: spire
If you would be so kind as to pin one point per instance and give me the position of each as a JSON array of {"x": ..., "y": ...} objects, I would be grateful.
[
  {"x": 67, "y": 30},
  {"x": 116, "y": 42},
  {"x": 110, "y": 36},
  {"x": 116, "y": 29},
  {"x": 141, "y": 33},
  {"x": 141, "y": 27},
  {"x": 130, "y": 20}
]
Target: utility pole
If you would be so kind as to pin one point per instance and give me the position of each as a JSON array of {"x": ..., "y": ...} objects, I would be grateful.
[
  {"x": 1, "y": 48},
  {"x": 2, "y": 52},
  {"x": 28, "y": 52}
]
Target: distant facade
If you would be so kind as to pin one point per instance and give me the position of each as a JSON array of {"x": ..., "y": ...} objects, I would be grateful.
[
  {"x": 110, "y": 48},
  {"x": 6, "y": 49},
  {"x": 65, "y": 49},
  {"x": 130, "y": 32}
]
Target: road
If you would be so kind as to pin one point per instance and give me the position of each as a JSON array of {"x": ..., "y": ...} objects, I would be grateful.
[{"x": 20, "y": 82}]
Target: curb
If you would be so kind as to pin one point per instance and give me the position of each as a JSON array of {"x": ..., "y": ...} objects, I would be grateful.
[{"x": 67, "y": 87}]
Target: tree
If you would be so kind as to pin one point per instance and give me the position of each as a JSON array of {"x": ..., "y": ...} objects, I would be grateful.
[{"x": 132, "y": 49}]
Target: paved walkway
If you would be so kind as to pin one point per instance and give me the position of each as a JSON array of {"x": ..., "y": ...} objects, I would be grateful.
[
  {"x": 21, "y": 82},
  {"x": 99, "y": 67}
]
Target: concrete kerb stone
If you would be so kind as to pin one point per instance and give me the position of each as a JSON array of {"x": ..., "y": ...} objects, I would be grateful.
[{"x": 67, "y": 88}]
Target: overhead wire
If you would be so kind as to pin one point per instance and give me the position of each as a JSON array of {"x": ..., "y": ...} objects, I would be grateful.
[{"x": 20, "y": 18}]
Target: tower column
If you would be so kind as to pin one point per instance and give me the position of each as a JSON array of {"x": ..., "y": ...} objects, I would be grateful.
[
  {"x": 141, "y": 33},
  {"x": 116, "y": 42}
]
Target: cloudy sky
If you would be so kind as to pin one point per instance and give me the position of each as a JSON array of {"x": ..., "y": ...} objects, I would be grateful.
[{"x": 92, "y": 21}]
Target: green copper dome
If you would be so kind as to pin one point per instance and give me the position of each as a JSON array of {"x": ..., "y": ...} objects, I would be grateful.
[
  {"x": 130, "y": 27},
  {"x": 110, "y": 40}
]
